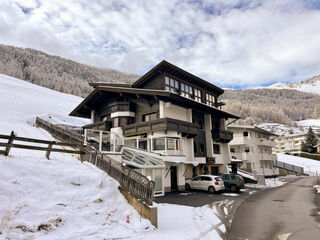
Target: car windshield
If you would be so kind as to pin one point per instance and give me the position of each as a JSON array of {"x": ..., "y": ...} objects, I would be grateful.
[{"x": 217, "y": 179}]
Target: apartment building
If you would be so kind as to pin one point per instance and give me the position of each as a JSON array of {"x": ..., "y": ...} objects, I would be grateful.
[
  {"x": 290, "y": 143},
  {"x": 167, "y": 125},
  {"x": 253, "y": 145}
]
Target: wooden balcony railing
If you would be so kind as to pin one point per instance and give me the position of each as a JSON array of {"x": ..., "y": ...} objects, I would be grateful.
[
  {"x": 188, "y": 129},
  {"x": 220, "y": 135}
]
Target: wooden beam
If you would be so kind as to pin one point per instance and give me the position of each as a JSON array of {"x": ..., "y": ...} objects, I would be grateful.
[
  {"x": 9, "y": 144},
  {"x": 49, "y": 151},
  {"x": 39, "y": 141},
  {"x": 40, "y": 148}
]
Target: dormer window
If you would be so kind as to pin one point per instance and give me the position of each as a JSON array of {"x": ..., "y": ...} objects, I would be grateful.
[
  {"x": 186, "y": 90},
  {"x": 172, "y": 85},
  {"x": 210, "y": 100},
  {"x": 197, "y": 95}
]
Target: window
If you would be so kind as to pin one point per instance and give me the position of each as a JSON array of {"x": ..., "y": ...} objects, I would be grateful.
[
  {"x": 205, "y": 178},
  {"x": 247, "y": 149},
  {"x": 197, "y": 95},
  {"x": 122, "y": 121},
  {"x": 158, "y": 144},
  {"x": 149, "y": 117},
  {"x": 232, "y": 150},
  {"x": 170, "y": 144},
  {"x": 186, "y": 90},
  {"x": 201, "y": 148},
  {"x": 216, "y": 148},
  {"x": 226, "y": 177},
  {"x": 248, "y": 165},
  {"x": 172, "y": 85},
  {"x": 196, "y": 179},
  {"x": 210, "y": 100},
  {"x": 245, "y": 134}
]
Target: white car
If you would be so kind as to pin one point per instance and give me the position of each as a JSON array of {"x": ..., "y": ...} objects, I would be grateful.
[{"x": 208, "y": 183}]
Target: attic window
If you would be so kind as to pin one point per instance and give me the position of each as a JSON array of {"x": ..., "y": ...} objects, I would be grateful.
[
  {"x": 186, "y": 90},
  {"x": 197, "y": 95},
  {"x": 172, "y": 85},
  {"x": 210, "y": 100}
]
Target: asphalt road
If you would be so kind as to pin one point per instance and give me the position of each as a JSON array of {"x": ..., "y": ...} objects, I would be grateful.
[{"x": 288, "y": 212}]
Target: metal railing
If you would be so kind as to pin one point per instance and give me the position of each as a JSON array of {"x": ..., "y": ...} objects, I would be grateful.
[
  {"x": 135, "y": 183},
  {"x": 288, "y": 166}
]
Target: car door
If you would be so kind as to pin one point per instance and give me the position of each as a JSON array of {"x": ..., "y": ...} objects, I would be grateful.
[
  {"x": 195, "y": 182},
  {"x": 226, "y": 179},
  {"x": 205, "y": 182}
]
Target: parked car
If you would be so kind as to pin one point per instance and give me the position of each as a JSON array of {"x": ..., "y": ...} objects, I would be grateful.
[
  {"x": 232, "y": 182},
  {"x": 209, "y": 183}
]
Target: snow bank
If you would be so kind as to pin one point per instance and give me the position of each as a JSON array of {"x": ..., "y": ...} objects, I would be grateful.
[{"x": 310, "y": 166}]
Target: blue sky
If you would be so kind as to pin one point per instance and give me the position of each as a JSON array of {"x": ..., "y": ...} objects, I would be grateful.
[{"x": 231, "y": 43}]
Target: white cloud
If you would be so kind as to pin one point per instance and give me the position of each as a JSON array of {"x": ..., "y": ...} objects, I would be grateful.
[{"x": 243, "y": 42}]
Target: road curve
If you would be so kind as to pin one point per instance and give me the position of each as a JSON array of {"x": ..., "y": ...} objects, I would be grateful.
[{"x": 288, "y": 212}]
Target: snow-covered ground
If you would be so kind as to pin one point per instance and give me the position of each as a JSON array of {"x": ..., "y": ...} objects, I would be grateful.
[
  {"x": 310, "y": 166},
  {"x": 62, "y": 198}
]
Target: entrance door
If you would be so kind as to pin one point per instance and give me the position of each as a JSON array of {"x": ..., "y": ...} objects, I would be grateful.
[
  {"x": 173, "y": 176},
  {"x": 214, "y": 170}
]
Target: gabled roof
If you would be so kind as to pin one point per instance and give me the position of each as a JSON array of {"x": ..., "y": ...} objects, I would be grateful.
[
  {"x": 102, "y": 93},
  {"x": 166, "y": 67},
  {"x": 252, "y": 128}
]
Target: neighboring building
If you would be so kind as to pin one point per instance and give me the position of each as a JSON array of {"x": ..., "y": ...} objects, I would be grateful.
[
  {"x": 168, "y": 121},
  {"x": 253, "y": 145},
  {"x": 290, "y": 143}
]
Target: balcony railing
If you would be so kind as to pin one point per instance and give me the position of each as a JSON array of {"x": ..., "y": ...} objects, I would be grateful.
[
  {"x": 220, "y": 135},
  {"x": 266, "y": 142},
  {"x": 160, "y": 145},
  {"x": 102, "y": 125},
  {"x": 187, "y": 129}
]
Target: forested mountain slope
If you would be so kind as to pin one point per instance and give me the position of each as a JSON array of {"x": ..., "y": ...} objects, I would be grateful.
[
  {"x": 272, "y": 105},
  {"x": 55, "y": 72}
]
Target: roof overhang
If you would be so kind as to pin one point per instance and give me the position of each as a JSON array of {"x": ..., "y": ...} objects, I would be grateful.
[
  {"x": 102, "y": 93},
  {"x": 166, "y": 67},
  {"x": 253, "y": 128}
]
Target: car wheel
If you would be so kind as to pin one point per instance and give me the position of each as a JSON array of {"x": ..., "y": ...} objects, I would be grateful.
[
  {"x": 188, "y": 187},
  {"x": 211, "y": 189},
  {"x": 233, "y": 188}
]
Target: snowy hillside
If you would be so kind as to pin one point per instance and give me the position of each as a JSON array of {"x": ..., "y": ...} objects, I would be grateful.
[
  {"x": 311, "y": 85},
  {"x": 61, "y": 198},
  {"x": 65, "y": 199}
]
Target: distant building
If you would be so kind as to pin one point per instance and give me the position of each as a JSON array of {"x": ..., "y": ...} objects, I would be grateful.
[
  {"x": 253, "y": 145},
  {"x": 291, "y": 143}
]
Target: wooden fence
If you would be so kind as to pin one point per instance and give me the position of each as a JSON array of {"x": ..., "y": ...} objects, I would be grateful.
[
  {"x": 135, "y": 183},
  {"x": 50, "y": 148}
]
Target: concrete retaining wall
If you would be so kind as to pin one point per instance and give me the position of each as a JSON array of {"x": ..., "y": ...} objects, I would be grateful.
[{"x": 144, "y": 210}]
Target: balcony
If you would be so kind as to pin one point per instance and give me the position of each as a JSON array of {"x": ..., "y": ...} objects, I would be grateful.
[
  {"x": 268, "y": 157},
  {"x": 266, "y": 143},
  {"x": 187, "y": 129},
  {"x": 220, "y": 135},
  {"x": 102, "y": 125}
]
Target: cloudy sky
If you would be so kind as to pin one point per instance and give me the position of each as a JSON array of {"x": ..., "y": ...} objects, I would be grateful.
[{"x": 231, "y": 43}]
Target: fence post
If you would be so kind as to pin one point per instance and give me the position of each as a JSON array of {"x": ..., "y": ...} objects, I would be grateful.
[
  {"x": 6, "y": 152},
  {"x": 49, "y": 151}
]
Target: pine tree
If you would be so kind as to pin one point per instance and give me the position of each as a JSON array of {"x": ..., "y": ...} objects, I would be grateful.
[{"x": 310, "y": 144}]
